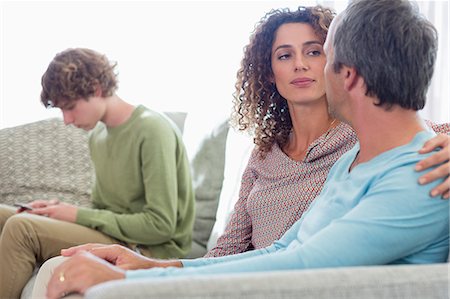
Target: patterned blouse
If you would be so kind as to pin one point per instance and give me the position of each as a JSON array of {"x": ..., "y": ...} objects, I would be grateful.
[{"x": 276, "y": 190}]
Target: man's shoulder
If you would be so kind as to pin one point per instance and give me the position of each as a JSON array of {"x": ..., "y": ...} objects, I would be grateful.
[
  {"x": 408, "y": 153},
  {"x": 395, "y": 166},
  {"x": 395, "y": 169}
]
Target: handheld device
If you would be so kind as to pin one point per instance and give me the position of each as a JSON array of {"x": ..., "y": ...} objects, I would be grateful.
[{"x": 23, "y": 207}]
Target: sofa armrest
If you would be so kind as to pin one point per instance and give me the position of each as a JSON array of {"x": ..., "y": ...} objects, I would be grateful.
[{"x": 403, "y": 281}]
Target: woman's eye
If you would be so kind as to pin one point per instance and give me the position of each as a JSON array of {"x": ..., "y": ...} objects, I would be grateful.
[
  {"x": 283, "y": 56},
  {"x": 314, "y": 53}
]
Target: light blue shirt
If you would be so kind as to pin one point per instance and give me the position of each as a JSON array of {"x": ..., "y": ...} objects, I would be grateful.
[{"x": 376, "y": 214}]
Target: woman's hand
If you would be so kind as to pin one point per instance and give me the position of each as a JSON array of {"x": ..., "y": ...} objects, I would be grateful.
[{"x": 442, "y": 171}]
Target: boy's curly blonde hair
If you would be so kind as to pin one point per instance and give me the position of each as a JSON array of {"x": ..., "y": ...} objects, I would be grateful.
[{"x": 76, "y": 74}]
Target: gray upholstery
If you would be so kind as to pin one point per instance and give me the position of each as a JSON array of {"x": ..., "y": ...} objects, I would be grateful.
[{"x": 380, "y": 282}]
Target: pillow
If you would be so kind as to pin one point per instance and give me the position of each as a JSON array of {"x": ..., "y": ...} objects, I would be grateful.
[
  {"x": 178, "y": 118},
  {"x": 206, "y": 151},
  {"x": 239, "y": 147},
  {"x": 44, "y": 160}
]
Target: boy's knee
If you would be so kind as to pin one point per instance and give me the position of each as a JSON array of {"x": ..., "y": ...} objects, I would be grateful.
[
  {"x": 5, "y": 213},
  {"x": 19, "y": 228}
]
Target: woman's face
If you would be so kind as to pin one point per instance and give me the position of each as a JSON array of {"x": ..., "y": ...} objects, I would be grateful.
[{"x": 298, "y": 63}]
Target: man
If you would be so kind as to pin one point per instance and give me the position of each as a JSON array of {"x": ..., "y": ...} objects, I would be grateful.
[
  {"x": 142, "y": 197},
  {"x": 371, "y": 210}
]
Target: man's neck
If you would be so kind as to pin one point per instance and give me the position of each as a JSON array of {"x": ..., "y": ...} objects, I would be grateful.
[{"x": 379, "y": 130}]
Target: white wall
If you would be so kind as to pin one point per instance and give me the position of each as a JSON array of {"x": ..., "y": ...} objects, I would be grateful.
[{"x": 172, "y": 55}]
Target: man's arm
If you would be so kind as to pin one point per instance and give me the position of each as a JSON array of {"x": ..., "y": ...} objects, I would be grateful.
[
  {"x": 393, "y": 222},
  {"x": 277, "y": 246}
]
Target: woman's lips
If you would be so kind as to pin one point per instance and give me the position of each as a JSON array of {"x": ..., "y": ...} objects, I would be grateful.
[{"x": 302, "y": 82}]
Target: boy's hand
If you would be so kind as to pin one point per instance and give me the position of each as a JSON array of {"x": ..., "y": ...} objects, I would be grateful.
[{"x": 60, "y": 211}]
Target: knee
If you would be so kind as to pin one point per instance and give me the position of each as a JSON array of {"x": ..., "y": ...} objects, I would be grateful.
[
  {"x": 5, "y": 213},
  {"x": 44, "y": 275},
  {"x": 18, "y": 227},
  {"x": 51, "y": 264}
]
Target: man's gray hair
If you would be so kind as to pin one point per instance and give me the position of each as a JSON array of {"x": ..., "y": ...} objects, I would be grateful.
[{"x": 391, "y": 46}]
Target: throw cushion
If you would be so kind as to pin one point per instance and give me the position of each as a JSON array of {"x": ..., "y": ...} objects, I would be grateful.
[
  {"x": 44, "y": 160},
  {"x": 239, "y": 147},
  {"x": 206, "y": 150}
]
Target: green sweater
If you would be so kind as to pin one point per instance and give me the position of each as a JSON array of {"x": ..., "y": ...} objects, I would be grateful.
[{"x": 143, "y": 190}]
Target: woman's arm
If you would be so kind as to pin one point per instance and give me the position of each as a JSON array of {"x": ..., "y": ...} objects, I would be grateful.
[{"x": 443, "y": 156}]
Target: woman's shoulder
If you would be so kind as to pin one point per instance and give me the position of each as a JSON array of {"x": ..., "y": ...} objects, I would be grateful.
[
  {"x": 275, "y": 156},
  {"x": 333, "y": 144},
  {"x": 342, "y": 134}
]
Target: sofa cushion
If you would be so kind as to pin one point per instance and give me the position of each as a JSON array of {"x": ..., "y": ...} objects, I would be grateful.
[
  {"x": 44, "y": 160},
  {"x": 206, "y": 150},
  {"x": 238, "y": 149}
]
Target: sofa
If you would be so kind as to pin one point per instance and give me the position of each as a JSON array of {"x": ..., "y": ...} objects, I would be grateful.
[{"x": 46, "y": 159}]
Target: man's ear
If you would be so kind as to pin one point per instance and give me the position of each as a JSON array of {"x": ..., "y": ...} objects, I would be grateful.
[{"x": 351, "y": 78}]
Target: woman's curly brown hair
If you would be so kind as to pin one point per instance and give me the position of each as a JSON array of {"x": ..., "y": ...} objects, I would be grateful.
[
  {"x": 258, "y": 107},
  {"x": 76, "y": 74}
]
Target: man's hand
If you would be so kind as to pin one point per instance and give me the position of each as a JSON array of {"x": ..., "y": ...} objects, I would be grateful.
[
  {"x": 57, "y": 210},
  {"x": 117, "y": 255},
  {"x": 443, "y": 171},
  {"x": 79, "y": 273},
  {"x": 85, "y": 247}
]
